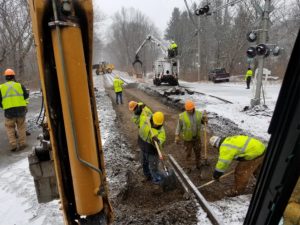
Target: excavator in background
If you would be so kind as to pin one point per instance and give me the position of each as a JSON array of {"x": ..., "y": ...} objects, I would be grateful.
[
  {"x": 104, "y": 67},
  {"x": 166, "y": 69},
  {"x": 69, "y": 162}
]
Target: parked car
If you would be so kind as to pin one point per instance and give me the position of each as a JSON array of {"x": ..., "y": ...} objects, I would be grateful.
[{"x": 219, "y": 74}]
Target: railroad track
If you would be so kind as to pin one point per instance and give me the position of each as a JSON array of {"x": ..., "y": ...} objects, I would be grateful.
[
  {"x": 190, "y": 187},
  {"x": 110, "y": 77},
  {"x": 202, "y": 93}
]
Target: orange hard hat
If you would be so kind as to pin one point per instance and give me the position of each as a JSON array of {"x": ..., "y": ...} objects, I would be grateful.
[
  {"x": 189, "y": 105},
  {"x": 9, "y": 72},
  {"x": 132, "y": 105}
]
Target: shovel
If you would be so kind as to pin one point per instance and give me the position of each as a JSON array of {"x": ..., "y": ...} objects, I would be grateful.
[
  {"x": 213, "y": 181},
  {"x": 169, "y": 181},
  {"x": 205, "y": 168},
  {"x": 205, "y": 163}
]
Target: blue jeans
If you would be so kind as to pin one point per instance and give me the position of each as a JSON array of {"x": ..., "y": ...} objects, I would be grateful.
[
  {"x": 150, "y": 166},
  {"x": 119, "y": 98}
]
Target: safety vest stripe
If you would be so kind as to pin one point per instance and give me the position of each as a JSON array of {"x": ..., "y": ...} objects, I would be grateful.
[
  {"x": 246, "y": 144},
  {"x": 225, "y": 161},
  {"x": 231, "y": 146},
  {"x": 242, "y": 149},
  {"x": 8, "y": 95},
  {"x": 222, "y": 171}
]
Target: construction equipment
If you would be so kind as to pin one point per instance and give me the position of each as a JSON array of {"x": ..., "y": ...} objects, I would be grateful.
[
  {"x": 166, "y": 69},
  {"x": 70, "y": 159},
  {"x": 104, "y": 67},
  {"x": 169, "y": 181}
]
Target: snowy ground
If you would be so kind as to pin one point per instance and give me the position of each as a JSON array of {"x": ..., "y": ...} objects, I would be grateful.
[{"x": 18, "y": 204}]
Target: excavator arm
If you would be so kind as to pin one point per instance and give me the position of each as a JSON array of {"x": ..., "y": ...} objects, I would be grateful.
[
  {"x": 63, "y": 32},
  {"x": 148, "y": 39}
]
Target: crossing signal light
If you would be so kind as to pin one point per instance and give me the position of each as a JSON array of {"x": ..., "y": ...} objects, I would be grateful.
[
  {"x": 251, "y": 52},
  {"x": 262, "y": 49},
  {"x": 202, "y": 11}
]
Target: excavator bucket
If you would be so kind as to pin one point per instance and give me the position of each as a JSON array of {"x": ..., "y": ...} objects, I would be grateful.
[{"x": 138, "y": 66}]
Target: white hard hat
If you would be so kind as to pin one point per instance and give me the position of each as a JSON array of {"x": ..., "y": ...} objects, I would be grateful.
[
  {"x": 117, "y": 76},
  {"x": 215, "y": 141},
  {"x": 172, "y": 42}
]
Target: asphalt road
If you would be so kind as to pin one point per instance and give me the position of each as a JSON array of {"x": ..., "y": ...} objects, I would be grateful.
[{"x": 6, "y": 156}]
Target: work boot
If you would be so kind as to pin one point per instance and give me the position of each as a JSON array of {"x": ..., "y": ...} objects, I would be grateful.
[
  {"x": 22, "y": 147},
  {"x": 231, "y": 193},
  {"x": 146, "y": 179},
  {"x": 13, "y": 149}
]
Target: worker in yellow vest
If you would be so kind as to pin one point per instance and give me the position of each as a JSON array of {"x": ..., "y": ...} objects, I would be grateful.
[
  {"x": 149, "y": 154},
  {"x": 248, "y": 151},
  {"x": 118, "y": 88},
  {"x": 248, "y": 77},
  {"x": 13, "y": 100},
  {"x": 173, "y": 50},
  {"x": 189, "y": 130},
  {"x": 140, "y": 112}
]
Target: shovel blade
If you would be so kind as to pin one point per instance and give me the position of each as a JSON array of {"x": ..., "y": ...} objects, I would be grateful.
[{"x": 169, "y": 181}]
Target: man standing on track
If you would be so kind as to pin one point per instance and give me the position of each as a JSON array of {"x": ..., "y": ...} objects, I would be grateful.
[
  {"x": 189, "y": 129},
  {"x": 118, "y": 88},
  {"x": 152, "y": 131}
]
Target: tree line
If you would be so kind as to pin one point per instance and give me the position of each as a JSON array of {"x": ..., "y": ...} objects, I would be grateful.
[
  {"x": 207, "y": 42},
  {"x": 219, "y": 38}
]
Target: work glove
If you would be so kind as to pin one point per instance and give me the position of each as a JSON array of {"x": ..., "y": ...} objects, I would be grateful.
[
  {"x": 177, "y": 139},
  {"x": 217, "y": 175},
  {"x": 155, "y": 139}
]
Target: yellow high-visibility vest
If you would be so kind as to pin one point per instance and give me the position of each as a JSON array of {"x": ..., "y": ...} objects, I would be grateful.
[
  {"x": 12, "y": 95},
  {"x": 118, "y": 85},
  {"x": 145, "y": 134},
  {"x": 187, "y": 132},
  {"x": 238, "y": 147}
]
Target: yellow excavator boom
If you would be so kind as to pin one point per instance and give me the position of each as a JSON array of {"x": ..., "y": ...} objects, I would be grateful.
[{"x": 63, "y": 32}]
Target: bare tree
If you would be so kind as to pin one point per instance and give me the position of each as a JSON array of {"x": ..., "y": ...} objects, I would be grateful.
[
  {"x": 130, "y": 27},
  {"x": 16, "y": 35}
]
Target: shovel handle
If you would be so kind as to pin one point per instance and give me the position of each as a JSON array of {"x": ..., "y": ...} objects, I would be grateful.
[
  {"x": 213, "y": 181},
  {"x": 205, "y": 138},
  {"x": 156, "y": 144}
]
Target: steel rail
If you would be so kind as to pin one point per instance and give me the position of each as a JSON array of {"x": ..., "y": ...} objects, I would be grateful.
[{"x": 190, "y": 185}]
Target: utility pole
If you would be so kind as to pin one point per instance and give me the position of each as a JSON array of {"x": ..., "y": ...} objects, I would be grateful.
[
  {"x": 199, "y": 58},
  {"x": 263, "y": 38}
]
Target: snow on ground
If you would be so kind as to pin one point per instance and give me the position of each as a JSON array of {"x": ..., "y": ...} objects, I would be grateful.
[
  {"x": 255, "y": 122},
  {"x": 19, "y": 205},
  {"x": 18, "y": 200}
]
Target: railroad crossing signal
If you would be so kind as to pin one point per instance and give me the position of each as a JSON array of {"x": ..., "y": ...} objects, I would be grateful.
[
  {"x": 202, "y": 11},
  {"x": 251, "y": 52},
  {"x": 262, "y": 50}
]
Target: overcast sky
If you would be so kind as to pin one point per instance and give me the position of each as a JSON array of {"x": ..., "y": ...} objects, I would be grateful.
[{"x": 158, "y": 11}]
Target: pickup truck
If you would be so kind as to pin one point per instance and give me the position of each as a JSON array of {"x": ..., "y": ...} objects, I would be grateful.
[{"x": 218, "y": 74}]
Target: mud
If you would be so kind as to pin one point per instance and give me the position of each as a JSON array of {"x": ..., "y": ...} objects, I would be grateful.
[
  {"x": 133, "y": 200},
  {"x": 138, "y": 202}
]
